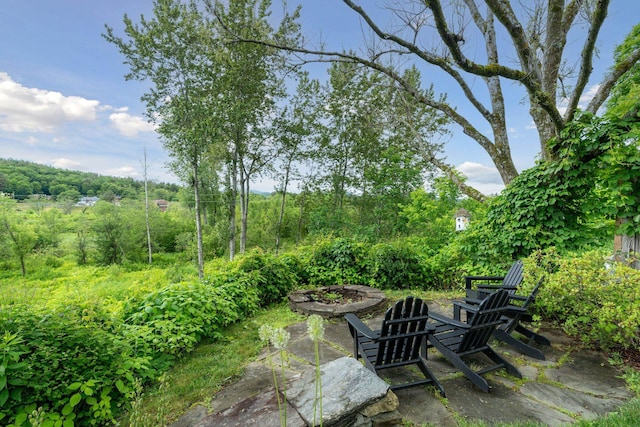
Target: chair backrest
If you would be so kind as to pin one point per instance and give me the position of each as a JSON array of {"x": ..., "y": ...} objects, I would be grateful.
[
  {"x": 484, "y": 321},
  {"x": 513, "y": 278},
  {"x": 532, "y": 296},
  {"x": 523, "y": 305},
  {"x": 403, "y": 331}
]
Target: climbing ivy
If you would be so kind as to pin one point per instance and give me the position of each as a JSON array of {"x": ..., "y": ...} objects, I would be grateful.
[{"x": 571, "y": 202}]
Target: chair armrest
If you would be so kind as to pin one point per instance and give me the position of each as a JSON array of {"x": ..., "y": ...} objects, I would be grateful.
[
  {"x": 470, "y": 307},
  {"x": 359, "y": 326},
  {"x": 469, "y": 304},
  {"x": 516, "y": 309},
  {"x": 468, "y": 280},
  {"x": 490, "y": 287},
  {"x": 448, "y": 321}
]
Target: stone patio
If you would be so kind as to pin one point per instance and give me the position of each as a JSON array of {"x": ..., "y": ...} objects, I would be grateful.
[{"x": 570, "y": 384}]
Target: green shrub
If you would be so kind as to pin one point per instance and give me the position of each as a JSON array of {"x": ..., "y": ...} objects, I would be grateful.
[
  {"x": 53, "y": 353},
  {"x": 337, "y": 262},
  {"x": 174, "y": 319},
  {"x": 593, "y": 299},
  {"x": 275, "y": 276},
  {"x": 397, "y": 266}
]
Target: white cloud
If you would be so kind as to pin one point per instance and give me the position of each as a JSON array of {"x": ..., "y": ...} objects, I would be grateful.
[
  {"x": 66, "y": 164},
  {"x": 485, "y": 179},
  {"x": 584, "y": 100},
  {"x": 123, "y": 171},
  {"x": 587, "y": 96},
  {"x": 129, "y": 125},
  {"x": 37, "y": 110}
]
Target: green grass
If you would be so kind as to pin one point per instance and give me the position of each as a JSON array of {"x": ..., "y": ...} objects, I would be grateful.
[{"x": 196, "y": 377}]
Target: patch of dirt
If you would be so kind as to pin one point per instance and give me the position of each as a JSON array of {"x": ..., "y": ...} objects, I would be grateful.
[
  {"x": 336, "y": 296},
  {"x": 630, "y": 357}
]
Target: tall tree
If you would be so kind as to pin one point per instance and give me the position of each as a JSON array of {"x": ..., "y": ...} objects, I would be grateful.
[
  {"x": 294, "y": 128},
  {"x": 460, "y": 39},
  {"x": 376, "y": 146},
  {"x": 15, "y": 233},
  {"x": 252, "y": 83},
  {"x": 173, "y": 52}
]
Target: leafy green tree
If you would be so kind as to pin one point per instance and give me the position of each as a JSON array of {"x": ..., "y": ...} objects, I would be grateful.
[
  {"x": 172, "y": 51},
  {"x": 375, "y": 148},
  {"x": 109, "y": 233},
  {"x": 67, "y": 199},
  {"x": 50, "y": 226},
  {"x": 18, "y": 234},
  {"x": 623, "y": 171},
  {"x": 22, "y": 189},
  {"x": 252, "y": 82},
  {"x": 295, "y": 128}
]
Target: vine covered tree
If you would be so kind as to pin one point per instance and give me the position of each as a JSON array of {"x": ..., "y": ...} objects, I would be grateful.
[{"x": 460, "y": 40}]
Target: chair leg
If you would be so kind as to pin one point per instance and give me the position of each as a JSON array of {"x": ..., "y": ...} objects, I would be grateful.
[
  {"x": 457, "y": 361},
  {"x": 532, "y": 335},
  {"x": 518, "y": 345},
  {"x": 499, "y": 360},
  {"x": 429, "y": 375}
]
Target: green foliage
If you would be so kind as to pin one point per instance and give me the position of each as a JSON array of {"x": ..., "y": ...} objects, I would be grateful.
[
  {"x": 83, "y": 347},
  {"x": 593, "y": 298},
  {"x": 337, "y": 262},
  {"x": 49, "y": 353},
  {"x": 174, "y": 319},
  {"x": 274, "y": 277},
  {"x": 625, "y": 95},
  {"x": 540, "y": 208},
  {"x": 397, "y": 266}
]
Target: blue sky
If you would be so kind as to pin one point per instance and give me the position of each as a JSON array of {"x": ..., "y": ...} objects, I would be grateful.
[{"x": 64, "y": 101}]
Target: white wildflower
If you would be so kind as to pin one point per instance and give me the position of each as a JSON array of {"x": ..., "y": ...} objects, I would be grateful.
[
  {"x": 280, "y": 338},
  {"x": 315, "y": 327},
  {"x": 265, "y": 333}
]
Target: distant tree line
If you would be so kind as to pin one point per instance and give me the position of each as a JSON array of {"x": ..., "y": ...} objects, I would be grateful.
[{"x": 22, "y": 179}]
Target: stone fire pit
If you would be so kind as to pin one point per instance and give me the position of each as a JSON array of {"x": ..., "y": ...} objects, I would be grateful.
[{"x": 336, "y": 301}]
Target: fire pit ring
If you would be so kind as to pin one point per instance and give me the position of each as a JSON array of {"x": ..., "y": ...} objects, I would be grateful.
[{"x": 363, "y": 300}]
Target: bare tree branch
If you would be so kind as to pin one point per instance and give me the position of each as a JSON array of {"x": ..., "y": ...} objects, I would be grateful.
[
  {"x": 610, "y": 80},
  {"x": 586, "y": 67}
]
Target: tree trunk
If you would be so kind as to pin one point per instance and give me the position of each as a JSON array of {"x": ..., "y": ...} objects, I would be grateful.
[
  {"x": 303, "y": 194},
  {"x": 233, "y": 192},
  {"x": 146, "y": 207},
  {"x": 627, "y": 248},
  {"x": 244, "y": 208},
  {"x": 196, "y": 195},
  {"x": 282, "y": 204}
]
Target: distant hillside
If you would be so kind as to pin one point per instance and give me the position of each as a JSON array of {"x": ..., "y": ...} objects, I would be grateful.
[{"x": 23, "y": 179}]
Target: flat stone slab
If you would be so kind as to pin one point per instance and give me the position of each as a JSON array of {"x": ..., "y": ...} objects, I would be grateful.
[
  {"x": 347, "y": 387},
  {"x": 581, "y": 404},
  {"x": 589, "y": 372},
  {"x": 259, "y": 411},
  {"x": 501, "y": 405}
]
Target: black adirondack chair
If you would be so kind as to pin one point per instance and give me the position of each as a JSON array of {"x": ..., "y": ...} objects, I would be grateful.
[
  {"x": 399, "y": 342},
  {"x": 456, "y": 340},
  {"x": 484, "y": 286},
  {"x": 515, "y": 314}
]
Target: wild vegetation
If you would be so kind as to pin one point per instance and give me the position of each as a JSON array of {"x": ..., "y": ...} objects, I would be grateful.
[{"x": 98, "y": 303}]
